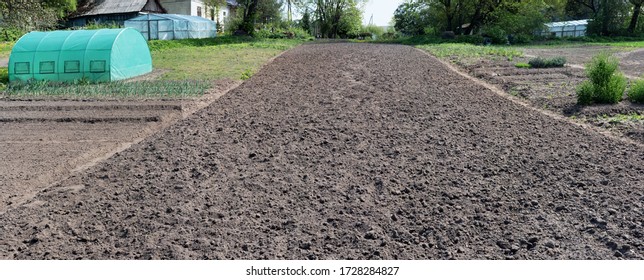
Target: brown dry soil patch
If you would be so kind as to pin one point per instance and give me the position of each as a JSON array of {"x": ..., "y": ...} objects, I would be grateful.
[
  {"x": 554, "y": 89},
  {"x": 42, "y": 142},
  {"x": 348, "y": 151}
]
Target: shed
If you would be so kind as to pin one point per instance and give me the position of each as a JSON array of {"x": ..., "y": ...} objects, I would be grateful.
[
  {"x": 575, "y": 28},
  {"x": 171, "y": 27},
  {"x": 112, "y": 11},
  {"x": 97, "y": 55}
]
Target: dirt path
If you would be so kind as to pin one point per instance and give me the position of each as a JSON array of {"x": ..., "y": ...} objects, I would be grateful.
[{"x": 349, "y": 151}]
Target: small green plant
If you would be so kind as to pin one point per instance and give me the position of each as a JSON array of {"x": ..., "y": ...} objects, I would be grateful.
[
  {"x": 555, "y": 62},
  {"x": 606, "y": 83},
  {"x": 522, "y": 65},
  {"x": 636, "y": 93},
  {"x": 246, "y": 74}
]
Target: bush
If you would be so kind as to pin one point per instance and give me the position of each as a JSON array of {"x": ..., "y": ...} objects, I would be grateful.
[
  {"x": 497, "y": 35},
  {"x": 554, "y": 62},
  {"x": 636, "y": 93},
  {"x": 280, "y": 33},
  {"x": 10, "y": 34},
  {"x": 607, "y": 84},
  {"x": 522, "y": 65},
  {"x": 4, "y": 78}
]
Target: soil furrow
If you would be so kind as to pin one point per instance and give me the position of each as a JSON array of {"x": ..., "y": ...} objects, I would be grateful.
[{"x": 348, "y": 151}]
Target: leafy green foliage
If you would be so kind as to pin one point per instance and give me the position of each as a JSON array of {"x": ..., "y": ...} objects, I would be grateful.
[
  {"x": 96, "y": 25},
  {"x": 281, "y": 33},
  {"x": 540, "y": 62},
  {"x": 522, "y": 65},
  {"x": 607, "y": 84},
  {"x": 636, "y": 92},
  {"x": 4, "y": 77},
  {"x": 411, "y": 18},
  {"x": 246, "y": 74}
]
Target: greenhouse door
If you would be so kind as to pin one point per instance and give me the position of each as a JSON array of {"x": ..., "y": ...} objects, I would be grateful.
[{"x": 153, "y": 28}]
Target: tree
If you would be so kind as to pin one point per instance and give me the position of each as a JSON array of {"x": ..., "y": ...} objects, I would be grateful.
[
  {"x": 26, "y": 15},
  {"x": 610, "y": 18},
  {"x": 269, "y": 10},
  {"x": 411, "y": 18},
  {"x": 306, "y": 21},
  {"x": 637, "y": 9},
  {"x": 249, "y": 15}
]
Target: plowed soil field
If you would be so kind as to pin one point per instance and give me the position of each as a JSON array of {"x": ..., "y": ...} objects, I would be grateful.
[{"x": 348, "y": 151}]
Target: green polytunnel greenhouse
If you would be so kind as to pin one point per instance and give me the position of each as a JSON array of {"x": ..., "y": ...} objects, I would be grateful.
[{"x": 96, "y": 55}]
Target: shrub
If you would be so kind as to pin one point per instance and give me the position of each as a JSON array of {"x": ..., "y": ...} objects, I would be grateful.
[
  {"x": 539, "y": 62},
  {"x": 4, "y": 78},
  {"x": 606, "y": 85},
  {"x": 496, "y": 35},
  {"x": 636, "y": 93},
  {"x": 522, "y": 65}
]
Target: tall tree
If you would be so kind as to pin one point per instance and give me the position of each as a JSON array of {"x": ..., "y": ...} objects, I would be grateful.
[
  {"x": 249, "y": 9},
  {"x": 637, "y": 9}
]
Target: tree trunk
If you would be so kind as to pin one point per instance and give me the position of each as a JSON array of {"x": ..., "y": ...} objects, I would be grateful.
[
  {"x": 636, "y": 13},
  {"x": 248, "y": 23}
]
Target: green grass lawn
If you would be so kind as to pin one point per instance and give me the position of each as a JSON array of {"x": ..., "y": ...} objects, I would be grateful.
[
  {"x": 213, "y": 59},
  {"x": 464, "y": 50},
  {"x": 189, "y": 65}
]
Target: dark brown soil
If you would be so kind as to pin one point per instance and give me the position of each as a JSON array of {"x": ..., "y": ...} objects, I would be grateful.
[
  {"x": 348, "y": 151},
  {"x": 554, "y": 89},
  {"x": 42, "y": 142}
]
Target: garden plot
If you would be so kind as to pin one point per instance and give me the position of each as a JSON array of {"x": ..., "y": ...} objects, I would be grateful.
[
  {"x": 348, "y": 151},
  {"x": 42, "y": 142},
  {"x": 554, "y": 89}
]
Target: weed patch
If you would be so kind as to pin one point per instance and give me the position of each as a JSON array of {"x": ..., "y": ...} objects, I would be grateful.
[
  {"x": 554, "y": 62},
  {"x": 119, "y": 89},
  {"x": 470, "y": 51}
]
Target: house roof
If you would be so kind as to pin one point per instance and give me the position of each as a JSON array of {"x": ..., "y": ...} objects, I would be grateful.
[{"x": 100, "y": 7}]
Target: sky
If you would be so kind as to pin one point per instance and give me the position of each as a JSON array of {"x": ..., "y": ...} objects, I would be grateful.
[{"x": 382, "y": 11}]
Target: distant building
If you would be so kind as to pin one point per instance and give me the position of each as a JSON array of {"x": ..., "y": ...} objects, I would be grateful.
[
  {"x": 575, "y": 28},
  {"x": 112, "y": 11},
  {"x": 200, "y": 9}
]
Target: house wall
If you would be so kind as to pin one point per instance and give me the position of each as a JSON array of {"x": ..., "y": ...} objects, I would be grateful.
[
  {"x": 177, "y": 7},
  {"x": 191, "y": 7}
]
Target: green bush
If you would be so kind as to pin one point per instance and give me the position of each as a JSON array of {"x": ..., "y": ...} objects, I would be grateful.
[
  {"x": 607, "y": 84},
  {"x": 555, "y": 62},
  {"x": 281, "y": 33},
  {"x": 10, "y": 34},
  {"x": 497, "y": 35},
  {"x": 4, "y": 78},
  {"x": 636, "y": 93},
  {"x": 522, "y": 65}
]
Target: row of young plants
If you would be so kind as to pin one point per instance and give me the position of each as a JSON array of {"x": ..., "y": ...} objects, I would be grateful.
[{"x": 606, "y": 84}]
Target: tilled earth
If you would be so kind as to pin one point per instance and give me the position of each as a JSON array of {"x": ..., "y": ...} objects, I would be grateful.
[{"x": 349, "y": 151}]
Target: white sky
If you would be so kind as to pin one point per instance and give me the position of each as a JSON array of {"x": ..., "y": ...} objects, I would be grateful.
[{"x": 382, "y": 11}]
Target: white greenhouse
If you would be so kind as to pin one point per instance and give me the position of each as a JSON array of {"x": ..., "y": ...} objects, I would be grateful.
[
  {"x": 575, "y": 28},
  {"x": 171, "y": 27}
]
